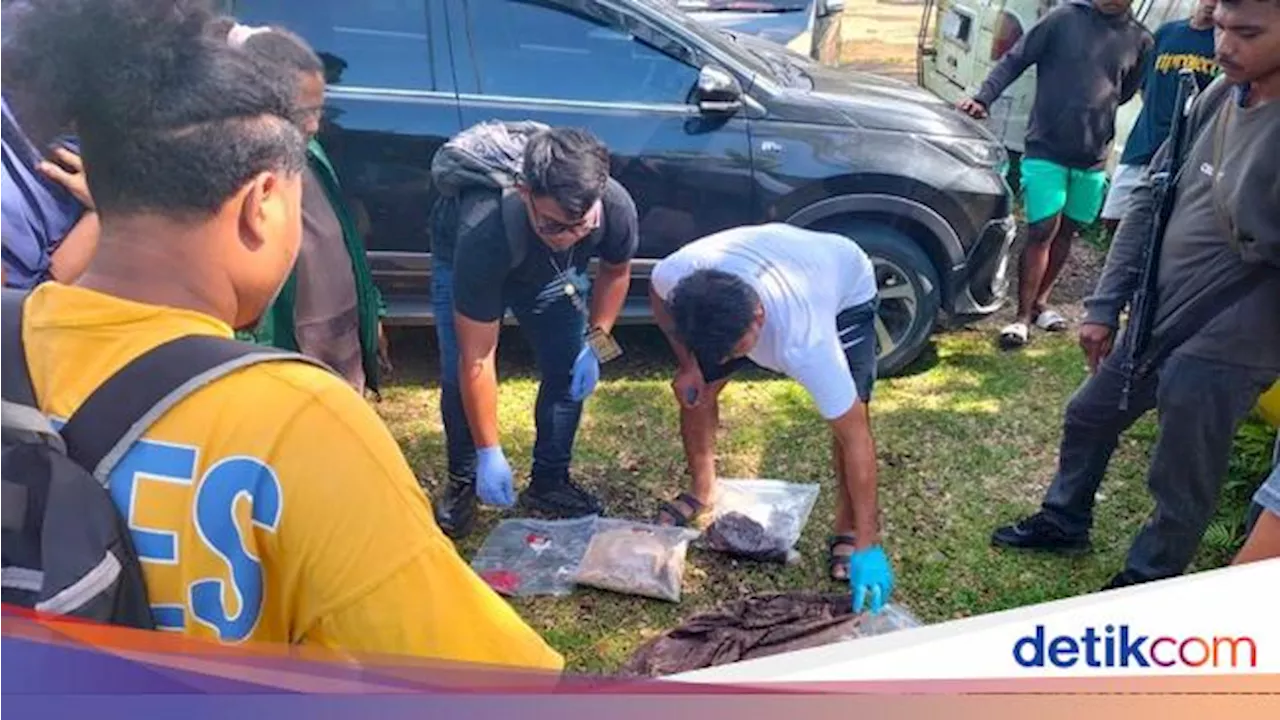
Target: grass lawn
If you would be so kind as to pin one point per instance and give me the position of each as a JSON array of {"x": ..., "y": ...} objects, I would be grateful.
[{"x": 966, "y": 441}]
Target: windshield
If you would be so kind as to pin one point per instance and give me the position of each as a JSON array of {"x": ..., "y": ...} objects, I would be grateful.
[
  {"x": 722, "y": 40},
  {"x": 742, "y": 5}
]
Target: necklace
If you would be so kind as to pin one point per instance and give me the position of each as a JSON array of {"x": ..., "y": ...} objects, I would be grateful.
[
  {"x": 562, "y": 273},
  {"x": 568, "y": 289}
]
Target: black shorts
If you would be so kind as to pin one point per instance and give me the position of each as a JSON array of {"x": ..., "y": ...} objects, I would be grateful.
[{"x": 856, "y": 328}]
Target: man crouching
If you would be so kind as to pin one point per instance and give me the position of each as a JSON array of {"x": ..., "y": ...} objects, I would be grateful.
[{"x": 794, "y": 301}]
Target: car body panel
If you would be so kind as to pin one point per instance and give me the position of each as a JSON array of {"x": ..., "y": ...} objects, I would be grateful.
[
  {"x": 805, "y": 144},
  {"x": 808, "y": 27}
]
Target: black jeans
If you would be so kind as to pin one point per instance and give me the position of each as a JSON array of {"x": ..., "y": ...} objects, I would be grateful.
[
  {"x": 556, "y": 332},
  {"x": 1200, "y": 405}
]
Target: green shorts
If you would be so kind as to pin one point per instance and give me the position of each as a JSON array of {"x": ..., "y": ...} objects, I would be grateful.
[{"x": 1049, "y": 189}]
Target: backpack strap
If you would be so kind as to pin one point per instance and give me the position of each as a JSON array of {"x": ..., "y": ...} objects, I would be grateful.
[
  {"x": 121, "y": 410},
  {"x": 514, "y": 216},
  {"x": 16, "y": 377},
  {"x": 21, "y": 411}
]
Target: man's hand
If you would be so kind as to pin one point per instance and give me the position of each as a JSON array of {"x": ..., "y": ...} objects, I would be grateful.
[
  {"x": 972, "y": 108},
  {"x": 1096, "y": 341},
  {"x": 585, "y": 374},
  {"x": 68, "y": 172},
  {"x": 870, "y": 578},
  {"x": 493, "y": 477},
  {"x": 689, "y": 387}
]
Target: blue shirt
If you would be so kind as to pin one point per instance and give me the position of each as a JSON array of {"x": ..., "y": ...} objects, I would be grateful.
[
  {"x": 1178, "y": 46},
  {"x": 37, "y": 212}
]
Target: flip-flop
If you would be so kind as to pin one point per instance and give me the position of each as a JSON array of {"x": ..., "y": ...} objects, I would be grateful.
[
  {"x": 1051, "y": 321},
  {"x": 1014, "y": 335},
  {"x": 695, "y": 515},
  {"x": 837, "y": 562}
]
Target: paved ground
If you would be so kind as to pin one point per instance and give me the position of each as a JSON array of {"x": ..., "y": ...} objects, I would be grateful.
[{"x": 880, "y": 36}]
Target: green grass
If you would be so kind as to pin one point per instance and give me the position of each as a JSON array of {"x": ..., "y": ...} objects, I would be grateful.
[{"x": 966, "y": 441}]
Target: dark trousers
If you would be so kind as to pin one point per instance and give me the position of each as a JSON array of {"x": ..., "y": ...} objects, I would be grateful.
[
  {"x": 555, "y": 330},
  {"x": 1200, "y": 405}
]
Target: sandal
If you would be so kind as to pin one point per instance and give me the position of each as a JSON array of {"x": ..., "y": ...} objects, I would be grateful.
[
  {"x": 693, "y": 513},
  {"x": 1051, "y": 321},
  {"x": 1014, "y": 335},
  {"x": 838, "y": 563}
]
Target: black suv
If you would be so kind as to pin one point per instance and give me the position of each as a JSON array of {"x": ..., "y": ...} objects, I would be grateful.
[{"x": 709, "y": 129}]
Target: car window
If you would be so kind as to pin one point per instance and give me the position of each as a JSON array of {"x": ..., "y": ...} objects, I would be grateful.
[
  {"x": 372, "y": 43},
  {"x": 535, "y": 49}
]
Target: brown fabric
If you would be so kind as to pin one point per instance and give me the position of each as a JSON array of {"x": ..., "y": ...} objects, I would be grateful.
[
  {"x": 756, "y": 627},
  {"x": 326, "y": 310}
]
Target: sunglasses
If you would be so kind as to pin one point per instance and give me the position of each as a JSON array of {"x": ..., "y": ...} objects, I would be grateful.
[{"x": 550, "y": 227}]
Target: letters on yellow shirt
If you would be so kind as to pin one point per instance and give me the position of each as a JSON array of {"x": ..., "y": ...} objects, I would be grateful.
[{"x": 273, "y": 505}]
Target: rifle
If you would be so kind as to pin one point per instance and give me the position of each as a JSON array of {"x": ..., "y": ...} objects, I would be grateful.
[{"x": 1164, "y": 182}]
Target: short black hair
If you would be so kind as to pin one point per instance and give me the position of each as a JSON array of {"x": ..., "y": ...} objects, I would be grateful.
[
  {"x": 170, "y": 119},
  {"x": 285, "y": 50},
  {"x": 568, "y": 165},
  {"x": 712, "y": 311}
]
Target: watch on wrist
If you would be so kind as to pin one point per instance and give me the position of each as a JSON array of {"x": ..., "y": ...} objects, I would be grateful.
[{"x": 603, "y": 345}]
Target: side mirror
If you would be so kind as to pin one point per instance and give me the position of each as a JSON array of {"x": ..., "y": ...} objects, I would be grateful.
[{"x": 717, "y": 92}]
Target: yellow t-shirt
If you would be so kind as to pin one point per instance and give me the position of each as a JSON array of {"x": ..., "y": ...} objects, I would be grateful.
[{"x": 272, "y": 505}]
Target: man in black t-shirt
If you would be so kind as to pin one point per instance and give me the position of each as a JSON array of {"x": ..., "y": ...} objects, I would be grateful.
[{"x": 572, "y": 211}]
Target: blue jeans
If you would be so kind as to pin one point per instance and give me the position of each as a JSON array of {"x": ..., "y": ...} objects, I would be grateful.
[{"x": 556, "y": 332}]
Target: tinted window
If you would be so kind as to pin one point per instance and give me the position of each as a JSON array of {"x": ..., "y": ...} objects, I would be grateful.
[
  {"x": 532, "y": 49},
  {"x": 370, "y": 43}
]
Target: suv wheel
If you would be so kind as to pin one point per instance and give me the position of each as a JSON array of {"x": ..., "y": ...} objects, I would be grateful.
[{"x": 909, "y": 291}]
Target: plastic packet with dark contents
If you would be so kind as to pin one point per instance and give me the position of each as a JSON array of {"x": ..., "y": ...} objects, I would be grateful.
[
  {"x": 636, "y": 559},
  {"x": 760, "y": 519},
  {"x": 523, "y": 557}
]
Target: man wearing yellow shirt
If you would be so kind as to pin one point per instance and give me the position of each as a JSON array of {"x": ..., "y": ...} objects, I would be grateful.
[{"x": 272, "y": 504}]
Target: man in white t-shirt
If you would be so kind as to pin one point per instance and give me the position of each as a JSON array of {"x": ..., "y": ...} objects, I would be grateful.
[{"x": 797, "y": 302}]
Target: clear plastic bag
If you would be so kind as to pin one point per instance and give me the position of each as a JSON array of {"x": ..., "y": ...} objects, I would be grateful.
[
  {"x": 523, "y": 557},
  {"x": 892, "y": 618},
  {"x": 636, "y": 559},
  {"x": 760, "y": 519}
]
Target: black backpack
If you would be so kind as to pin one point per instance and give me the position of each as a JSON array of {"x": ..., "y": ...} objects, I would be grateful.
[
  {"x": 483, "y": 158},
  {"x": 67, "y": 549}
]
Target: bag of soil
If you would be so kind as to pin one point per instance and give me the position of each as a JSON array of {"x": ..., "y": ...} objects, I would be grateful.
[
  {"x": 760, "y": 519},
  {"x": 636, "y": 559},
  {"x": 523, "y": 557}
]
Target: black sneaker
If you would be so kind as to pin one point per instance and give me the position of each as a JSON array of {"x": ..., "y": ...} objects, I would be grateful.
[
  {"x": 456, "y": 508},
  {"x": 1038, "y": 532},
  {"x": 562, "y": 498}
]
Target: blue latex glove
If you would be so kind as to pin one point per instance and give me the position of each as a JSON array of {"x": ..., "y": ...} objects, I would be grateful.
[
  {"x": 586, "y": 373},
  {"x": 493, "y": 477},
  {"x": 870, "y": 574}
]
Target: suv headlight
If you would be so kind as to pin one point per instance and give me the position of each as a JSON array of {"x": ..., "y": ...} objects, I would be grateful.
[{"x": 972, "y": 151}]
